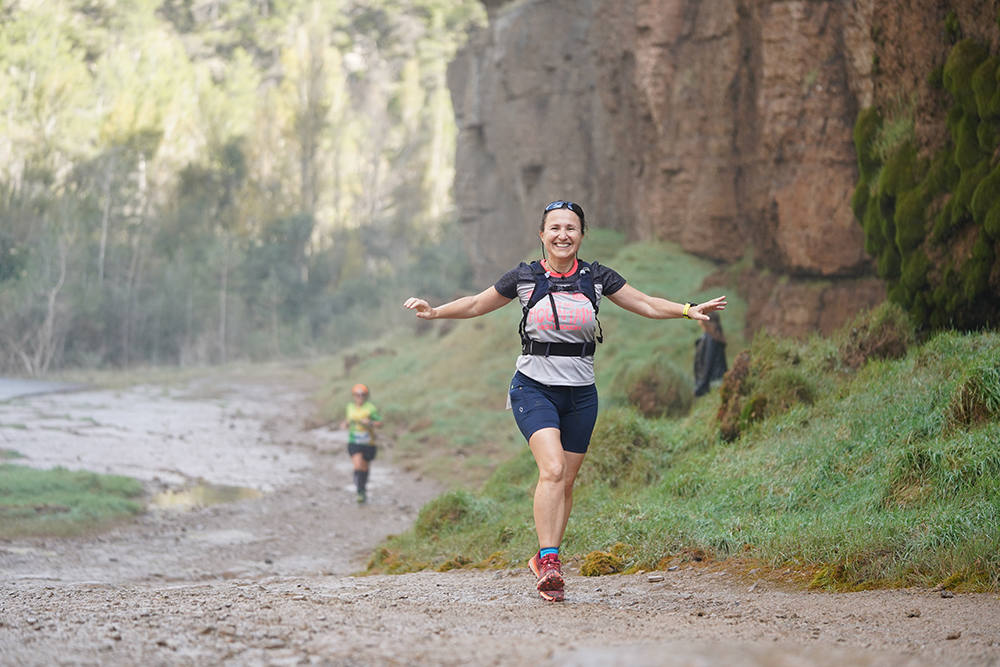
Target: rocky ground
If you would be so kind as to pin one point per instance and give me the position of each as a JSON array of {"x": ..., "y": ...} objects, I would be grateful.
[{"x": 275, "y": 578}]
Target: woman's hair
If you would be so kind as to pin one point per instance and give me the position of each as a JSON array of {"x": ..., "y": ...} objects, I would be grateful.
[{"x": 563, "y": 203}]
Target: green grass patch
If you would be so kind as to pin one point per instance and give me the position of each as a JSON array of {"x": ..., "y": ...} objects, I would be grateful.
[{"x": 61, "y": 502}]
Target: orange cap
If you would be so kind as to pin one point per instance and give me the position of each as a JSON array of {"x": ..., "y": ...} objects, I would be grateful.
[{"x": 359, "y": 389}]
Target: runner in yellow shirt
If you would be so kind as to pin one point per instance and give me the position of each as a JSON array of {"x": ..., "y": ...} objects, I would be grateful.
[{"x": 362, "y": 419}]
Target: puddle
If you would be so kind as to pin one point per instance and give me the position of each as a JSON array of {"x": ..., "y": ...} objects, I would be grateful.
[{"x": 201, "y": 496}]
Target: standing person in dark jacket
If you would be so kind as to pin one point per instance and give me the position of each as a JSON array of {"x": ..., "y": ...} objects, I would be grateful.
[
  {"x": 552, "y": 394},
  {"x": 709, "y": 355}
]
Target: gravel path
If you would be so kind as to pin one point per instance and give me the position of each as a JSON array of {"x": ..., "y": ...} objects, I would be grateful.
[{"x": 272, "y": 580}]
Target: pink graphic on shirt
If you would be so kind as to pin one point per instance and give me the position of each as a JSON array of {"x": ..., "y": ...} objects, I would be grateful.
[{"x": 574, "y": 310}]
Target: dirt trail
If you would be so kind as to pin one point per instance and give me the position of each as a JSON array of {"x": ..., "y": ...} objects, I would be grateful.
[{"x": 270, "y": 580}]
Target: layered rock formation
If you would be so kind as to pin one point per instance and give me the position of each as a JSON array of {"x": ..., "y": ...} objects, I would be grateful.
[{"x": 725, "y": 126}]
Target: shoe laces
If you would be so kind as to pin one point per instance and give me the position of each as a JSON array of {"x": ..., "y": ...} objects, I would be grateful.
[{"x": 551, "y": 560}]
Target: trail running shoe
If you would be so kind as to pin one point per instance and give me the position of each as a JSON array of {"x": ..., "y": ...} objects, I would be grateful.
[
  {"x": 550, "y": 574},
  {"x": 553, "y": 596},
  {"x": 535, "y": 565},
  {"x": 362, "y": 498}
]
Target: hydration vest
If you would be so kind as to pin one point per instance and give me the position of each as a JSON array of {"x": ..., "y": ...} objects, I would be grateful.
[{"x": 584, "y": 284}]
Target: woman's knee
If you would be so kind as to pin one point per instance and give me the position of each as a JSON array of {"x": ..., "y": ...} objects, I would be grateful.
[{"x": 552, "y": 471}]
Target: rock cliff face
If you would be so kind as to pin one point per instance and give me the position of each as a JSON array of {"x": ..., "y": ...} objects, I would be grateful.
[{"x": 725, "y": 126}]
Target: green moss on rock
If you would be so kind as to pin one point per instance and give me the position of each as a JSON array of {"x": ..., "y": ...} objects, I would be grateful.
[
  {"x": 976, "y": 271},
  {"x": 875, "y": 240},
  {"x": 986, "y": 89},
  {"x": 968, "y": 152},
  {"x": 888, "y": 263},
  {"x": 916, "y": 210},
  {"x": 942, "y": 174},
  {"x": 942, "y": 224},
  {"x": 952, "y": 28},
  {"x": 967, "y": 184},
  {"x": 986, "y": 195},
  {"x": 866, "y": 129},
  {"x": 859, "y": 200},
  {"x": 962, "y": 62},
  {"x": 988, "y": 134},
  {"x": 901, "y": 170},
  {"x": 911, "y": 209},
  {"x": 913, "y": 273},
  {"x": 991, "y": 224}
]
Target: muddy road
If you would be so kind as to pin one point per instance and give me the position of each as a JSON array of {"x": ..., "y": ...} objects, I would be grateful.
[{"x": 272, "y": 576}]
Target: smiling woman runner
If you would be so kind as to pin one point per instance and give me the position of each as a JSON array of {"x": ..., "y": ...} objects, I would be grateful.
[{"x": 552, "y": 394}]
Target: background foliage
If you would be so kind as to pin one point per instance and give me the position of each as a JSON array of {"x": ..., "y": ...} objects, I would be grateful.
[
  {"x": 194, "y": 181},
  {"x": 932, "y": 217}
]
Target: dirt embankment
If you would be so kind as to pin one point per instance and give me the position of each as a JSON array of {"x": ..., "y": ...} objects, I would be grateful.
[{"x": 271, "y": 579}]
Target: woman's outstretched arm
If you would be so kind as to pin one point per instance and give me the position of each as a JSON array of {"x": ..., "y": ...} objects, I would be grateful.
[
  {"x": 656, "y": 308},
  {"x": 465, "y": 307}
]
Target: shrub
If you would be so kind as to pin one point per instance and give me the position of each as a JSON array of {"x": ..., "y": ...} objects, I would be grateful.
[
  {"x": 624, "y": 449},
  {"x": 448, "y": 510},
  {"x": 658, "y": 388},
  {"x": 598, "y": 563},
  {"x": 732, "y": 394},
  {"x": 976, "y": 398},
  {"x": 885, "y": 332},
  {"x": 765, "y": 381},
  {"x": 780, "y": 389}
]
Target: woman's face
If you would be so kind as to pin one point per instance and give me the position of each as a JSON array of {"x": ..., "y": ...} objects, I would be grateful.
[
  {"x": 359, "y": 397},
  {"x": 561, "y": 234}
]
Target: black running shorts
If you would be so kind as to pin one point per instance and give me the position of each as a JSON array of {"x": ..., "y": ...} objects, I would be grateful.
[{"x": 366, "y": 451}]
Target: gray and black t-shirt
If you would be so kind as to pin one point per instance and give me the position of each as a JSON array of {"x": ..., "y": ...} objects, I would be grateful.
[{"x": 577, "y": 322}]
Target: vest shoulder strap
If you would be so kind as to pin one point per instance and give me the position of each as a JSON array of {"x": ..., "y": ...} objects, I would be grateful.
[{"x": 541, "y": 288}]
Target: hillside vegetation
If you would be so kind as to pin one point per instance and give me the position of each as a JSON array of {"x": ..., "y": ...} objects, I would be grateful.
[
  {"x": 863, "y": 460},
  {"x": 199, "y": 183}
]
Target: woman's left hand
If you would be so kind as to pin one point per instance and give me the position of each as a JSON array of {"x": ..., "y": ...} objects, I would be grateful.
[{"x": 700, "y": 312}]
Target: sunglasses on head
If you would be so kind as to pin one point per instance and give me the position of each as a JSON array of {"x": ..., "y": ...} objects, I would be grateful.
[{"x": 561, "y": 203}]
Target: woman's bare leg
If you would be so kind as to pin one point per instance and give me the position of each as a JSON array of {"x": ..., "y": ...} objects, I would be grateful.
[
  {"x": 550, "y": 492},
  {"x": 573, "y": 463}
]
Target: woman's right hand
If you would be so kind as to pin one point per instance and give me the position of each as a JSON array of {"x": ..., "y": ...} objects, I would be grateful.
[{"x": 424, "y": 309}]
